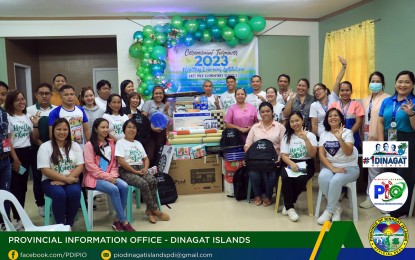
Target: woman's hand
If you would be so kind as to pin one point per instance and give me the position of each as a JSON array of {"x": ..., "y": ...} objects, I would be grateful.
[
  {"x": 113, "y": 180},
  {"x": 338, "y": 132},
  {"x": 261, "y": 98},
  {"x": 294, "y": 167},
  {"x": 339, "y": 170},
  {"x": 35, "y": 119},
  {"x": 291, "y": 95},
  {"x": 408, "y": 107},
  {"x": 16, "y": 165},
  {"x": 244, "y": 129},
  {"x": 57, "y": 183},
  {"x": 343, "y": 61},
  {"x": 71, "y": 180},
  {"x": 303, "y": 134},
  {"x": 157, "y": 129}
]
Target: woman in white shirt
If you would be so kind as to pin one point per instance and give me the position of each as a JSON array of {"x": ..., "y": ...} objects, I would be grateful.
[
  {"x": 271, "y": 94},
  {"x": 134, "y": 163},
  {"x": 339, "y": 158},
  {"x": 61, "y": 162},
  {"x": 21, "y": 129},
  {"x": 297, "y": 146},
  {"x": 115, "y": 116}
]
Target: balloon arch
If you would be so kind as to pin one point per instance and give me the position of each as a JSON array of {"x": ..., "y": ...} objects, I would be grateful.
[{"x": 150, "y": 44}]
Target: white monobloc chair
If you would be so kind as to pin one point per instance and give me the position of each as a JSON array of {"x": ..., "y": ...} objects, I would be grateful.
[
  {"x": 27, "y": 223},
  {"x": 91, "y": 195},
  {"x": 351, "y": 186}
]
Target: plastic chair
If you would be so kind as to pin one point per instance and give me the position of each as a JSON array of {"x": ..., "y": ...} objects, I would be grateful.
[
  {"x": 48, "y": 205},
  {"x": 131, "y": 189},
  {"x": 91, "y": 195},
  {"x": 352, "y": 202},
  {"x": 27, "y": 223},
  {"x": 309, "y": 187},
  {"x": 411, "y": 208}
]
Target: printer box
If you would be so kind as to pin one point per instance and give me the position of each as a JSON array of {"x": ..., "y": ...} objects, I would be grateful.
[{"x": 195, "y": 176}]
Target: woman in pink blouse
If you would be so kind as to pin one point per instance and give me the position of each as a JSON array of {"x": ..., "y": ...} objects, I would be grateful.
[
  {"x": 241, "y": 115},
  {"x": 273, "y": 131}
]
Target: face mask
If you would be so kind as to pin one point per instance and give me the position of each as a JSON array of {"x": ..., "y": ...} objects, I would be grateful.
[{"x": 375, "y": 87}]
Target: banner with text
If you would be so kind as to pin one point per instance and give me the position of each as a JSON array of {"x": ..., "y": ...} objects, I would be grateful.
[{"x": 190, "y": 66}]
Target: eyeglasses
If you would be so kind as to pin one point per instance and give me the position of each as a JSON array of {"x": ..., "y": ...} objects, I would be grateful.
[{"x": 44, "y": 94}]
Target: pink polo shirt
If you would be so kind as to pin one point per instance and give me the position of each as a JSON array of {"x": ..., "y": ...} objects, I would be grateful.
[
  {"x": 241, "y": 117},
  {"x": 274, "y": 133}
]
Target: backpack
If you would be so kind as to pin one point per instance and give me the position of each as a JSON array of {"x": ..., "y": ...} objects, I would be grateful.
[
  {"x": 240, "y": 184},
  {"x": 231, "y": 137},
  {"x": 261, "y": 156},
  {"x": 166, "y": 188},
  {"x": 143, "y": 128}
]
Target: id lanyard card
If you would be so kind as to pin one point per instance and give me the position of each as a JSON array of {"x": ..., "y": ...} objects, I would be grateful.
[{"x": 392, "y": 131}]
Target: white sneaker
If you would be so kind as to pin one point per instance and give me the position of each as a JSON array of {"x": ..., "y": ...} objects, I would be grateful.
[
  {"x": 326, "y": 216},
  {"x": 337, "y": 214},
  {"x": 292, "y": 214},
  {"x": 42, "y": 211},
  {"x": 366, "y": 204},
  {"x": 284, "y": 211},
  {"x": 18, "y": 225}
]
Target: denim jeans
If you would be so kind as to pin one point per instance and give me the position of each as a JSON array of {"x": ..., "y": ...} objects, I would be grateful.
[
  {"x": 263, "y": 179},
  {"x": 65, "y": 201},
  {"x": 118, "y": 193},
  {"x": 5, "y": 180}
]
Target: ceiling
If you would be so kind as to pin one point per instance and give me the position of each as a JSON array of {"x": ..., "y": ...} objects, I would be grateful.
[{"x": 89, "y": 9}]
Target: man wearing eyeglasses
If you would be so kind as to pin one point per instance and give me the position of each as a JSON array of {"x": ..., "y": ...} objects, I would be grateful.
[{"x": 42, "y": 108}]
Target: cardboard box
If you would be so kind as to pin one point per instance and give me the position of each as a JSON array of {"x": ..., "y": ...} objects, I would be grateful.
[
  {"x": 190, "y": 120},
  {"x": 197, "y": 176},
  {"x": 166, "y": 155}
]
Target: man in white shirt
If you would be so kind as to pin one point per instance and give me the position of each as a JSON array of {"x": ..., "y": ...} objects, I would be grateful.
[
  {"x": 78, "y": 121},
  {"x": 227, "y": 99},
  {"x": 212, "y": 100},
  {"x": 258, "y": 96},
  {"x": 283, "y": 85},
  {"x": 103, "y": 91},
  {"x": 42, "y": 108}
]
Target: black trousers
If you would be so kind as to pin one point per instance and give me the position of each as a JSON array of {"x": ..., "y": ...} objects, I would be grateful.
[
  {"x": 292, "y": 187},
  {"x": 19, "y": 181}
]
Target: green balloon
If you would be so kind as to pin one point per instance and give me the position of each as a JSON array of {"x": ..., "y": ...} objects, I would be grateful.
[
  {"x": 149, "y": 77},
  {"x": 143, "y": 85},
  {"x": 182, "y": 31},
  {"x": 243, "y": 19},
  {"x": 257, "y": 23},
  {"x": 221, "y": 22},
  {"x": 206, "y": 36},
  {"x": 227, "y": 33},
  {"x": 161, "y": 38},
  {"x": 233, "y": 42},
  {"x": 134, "y": 50},
  {"x": 149, "y": 42},
  {"x": 140, "y": 74},
  {"x": 146, "y": 55},
  {"x": 140, "y": 90},
  {"x": 145, "y": 62},
  {"x": 248, "y": 39},
  {"x": 191, "y": 26},
  {"x": 176, "y": 21},
  {"x": 148, "y": 30},
  {"x": 242, "y": 30},
  {"x": 159, "y": 52}
]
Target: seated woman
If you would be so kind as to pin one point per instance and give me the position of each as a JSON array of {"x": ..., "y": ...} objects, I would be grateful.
[
  {"x": 134, "y": 164},
  {"x": 101, "y": 172},
  {"x": 339, "y": 157},
  {"x": 297, "y": 146},
  {"x": 269, "y": 129},
  {"x": 241, "y": 115},
  {"x": 61, "y": 162}
]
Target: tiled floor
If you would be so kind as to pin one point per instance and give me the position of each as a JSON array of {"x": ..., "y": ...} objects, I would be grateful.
[{"x": 216, "y": 212}]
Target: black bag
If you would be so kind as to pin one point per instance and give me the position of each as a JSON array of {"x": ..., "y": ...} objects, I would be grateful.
[
  {"x": 261, "y": 156},
  {"x": 240, "y": 184},
  {"x": 231, "y": 137},
  {"x": 166, "y": 188},
  {"x": 144, "y": 128}
]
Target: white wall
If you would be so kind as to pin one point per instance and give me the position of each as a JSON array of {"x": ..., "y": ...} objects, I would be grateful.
[{"x": 124, "y": 30}]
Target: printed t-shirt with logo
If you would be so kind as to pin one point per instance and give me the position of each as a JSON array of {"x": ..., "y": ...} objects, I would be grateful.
[
  {"x": 116, "y": 123},
  {"x": 132, "y": 152},
  {"x": 297, "y": 148},
  {"x": 20, "y": 128},
  {"x": 66, "y": 165},
  {"x": 254, "y": 100},
  {"x": 76, "y": 119},
  {"x": 227, "y": 99},
  {"x": 334, "y": 153}
]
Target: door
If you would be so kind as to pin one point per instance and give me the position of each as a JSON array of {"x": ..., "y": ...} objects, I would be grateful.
[
  {"x": 23, "y": 80},
  {"x": 110, "y": 74}
]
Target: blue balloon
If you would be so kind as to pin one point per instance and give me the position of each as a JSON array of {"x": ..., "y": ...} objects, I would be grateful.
[
  {"x": 232, "y": 21},
  {"x": 210, "y": 20},
  {"x": 167, "y": 28},
  {"x": 163, "y": 64},
  {"x": 202, "y": 24},
  {"x": 198, "y": 35},
  {"x": 139, "y": 36},
  {"x": 189, "y": 40},
  {"x": 216, "y": 31},
  {"x": 147, "y": 92},
  {"x": 159, "y": 28},
  {"x": 157, "y": 70}
]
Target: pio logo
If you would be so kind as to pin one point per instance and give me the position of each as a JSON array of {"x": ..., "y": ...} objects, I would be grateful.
[{"x": 388, "y": 191}]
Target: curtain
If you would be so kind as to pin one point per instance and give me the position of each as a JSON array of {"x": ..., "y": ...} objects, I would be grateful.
[{"x": 357, "y": 45}]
